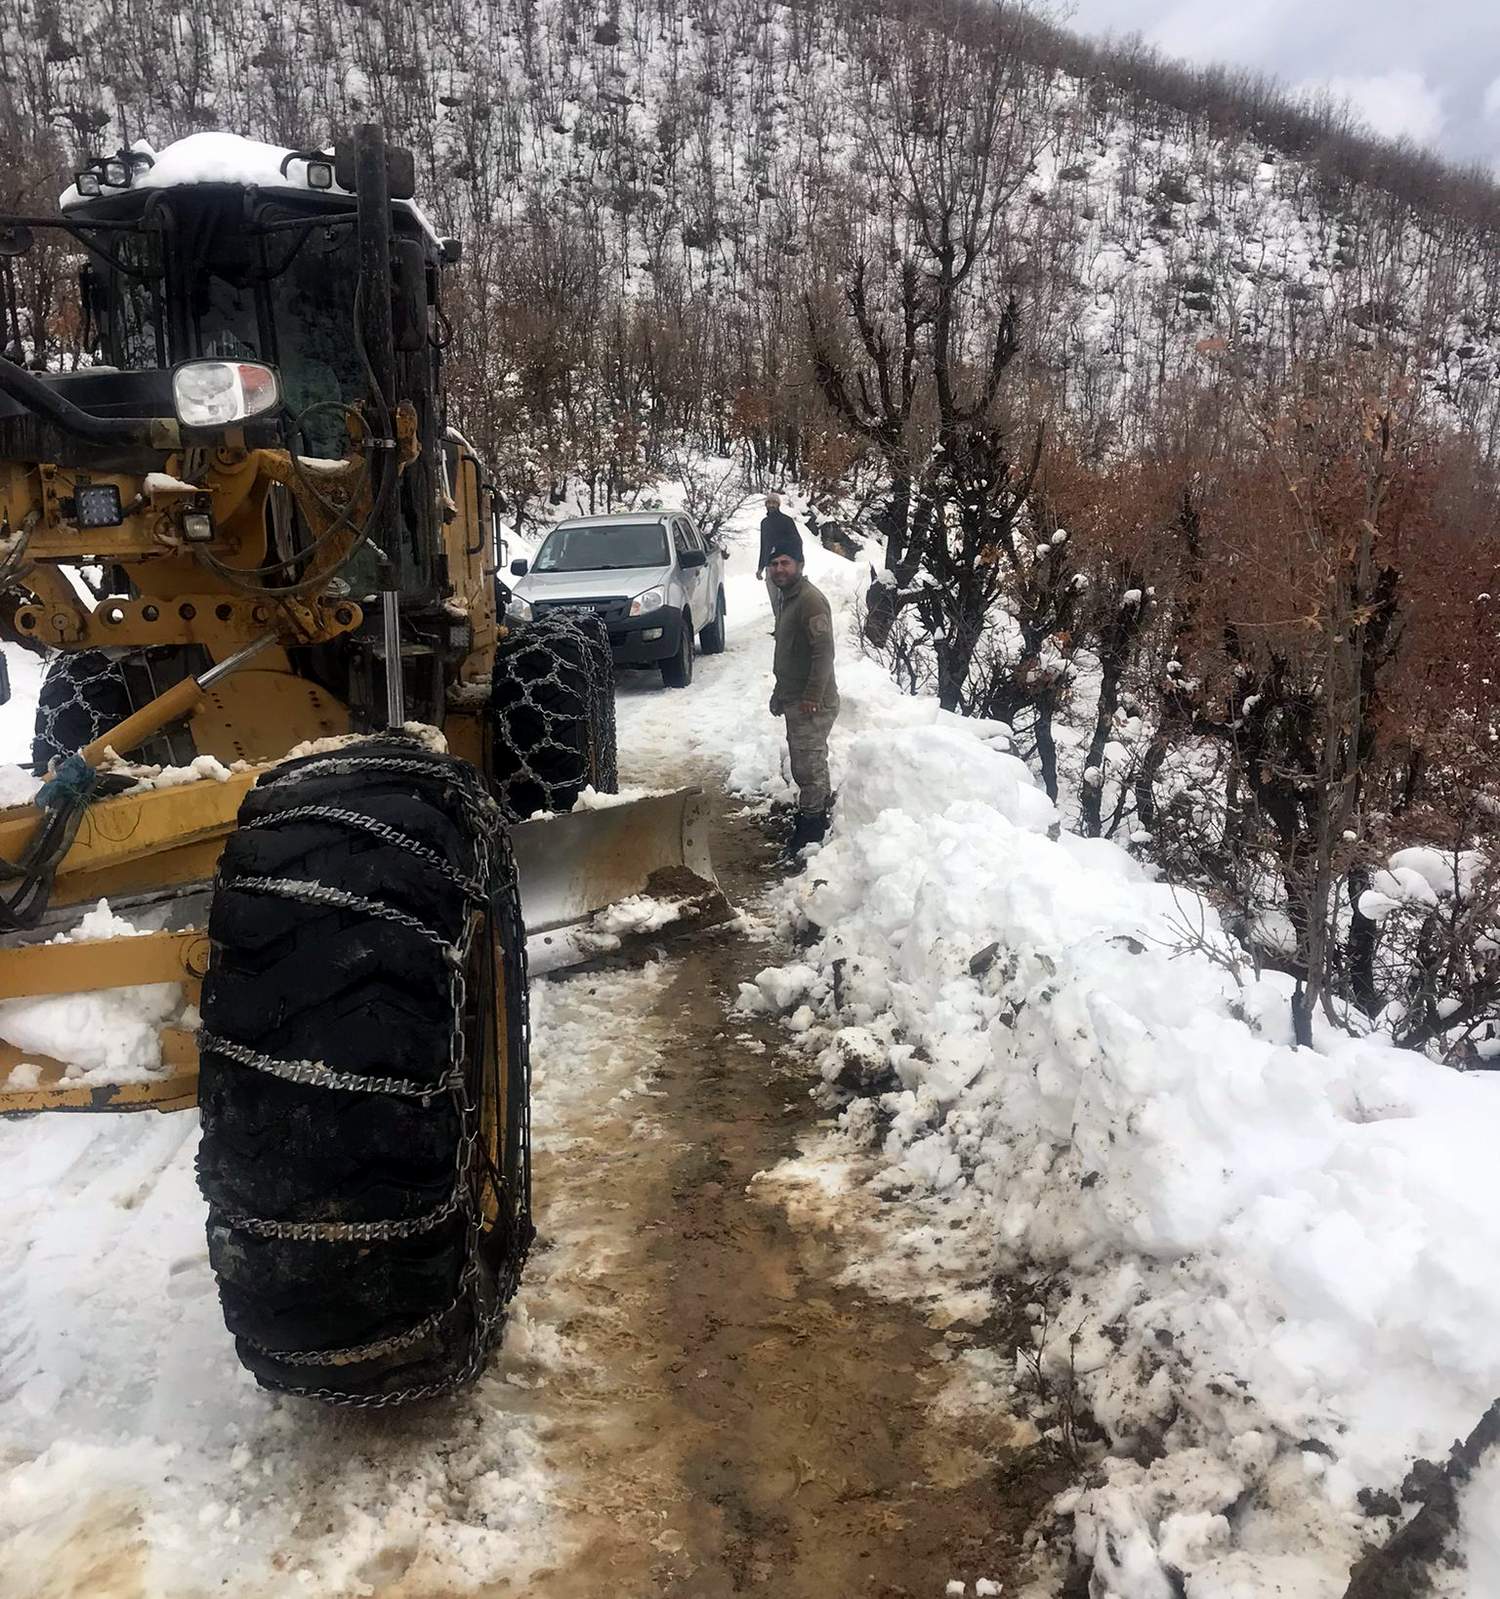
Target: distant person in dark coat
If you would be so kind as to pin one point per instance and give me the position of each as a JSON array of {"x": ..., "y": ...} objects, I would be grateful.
[{"x": 778, "y": 533}]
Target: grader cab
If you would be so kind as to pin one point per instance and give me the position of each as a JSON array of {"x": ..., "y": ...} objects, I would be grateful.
[{"x": 291, "y": 730}]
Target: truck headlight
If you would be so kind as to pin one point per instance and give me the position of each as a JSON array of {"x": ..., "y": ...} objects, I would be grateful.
[
  {"x": 518, "y": 610},
  {"x": 210, "y": 394},
  {"x": 651, "y": 600}
]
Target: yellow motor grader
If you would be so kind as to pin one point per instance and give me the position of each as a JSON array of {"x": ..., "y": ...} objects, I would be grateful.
[{"x": 289, "y": 719}]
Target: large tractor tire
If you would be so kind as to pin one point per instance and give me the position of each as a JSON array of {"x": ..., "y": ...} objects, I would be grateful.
[
  {"x": 552, "y": 716},
  {"x": 83, "y": 694},
  {"x": 364, "y": 1076}
]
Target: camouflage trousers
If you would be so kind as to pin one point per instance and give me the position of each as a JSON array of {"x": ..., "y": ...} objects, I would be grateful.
[{"x": 807, "y": 745}]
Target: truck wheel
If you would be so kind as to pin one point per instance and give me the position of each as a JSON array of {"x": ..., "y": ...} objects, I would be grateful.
[
  {"x": 83, "y": 694},
  {"x": 711, "y": 639},
  {"x": 677, "y": 670},
  {"x": 546, "y": 718},
  {"x": 364, "y": 1076}
]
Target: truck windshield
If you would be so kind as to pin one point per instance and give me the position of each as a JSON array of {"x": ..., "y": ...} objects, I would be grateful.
[{"x": 604, "y": 547}]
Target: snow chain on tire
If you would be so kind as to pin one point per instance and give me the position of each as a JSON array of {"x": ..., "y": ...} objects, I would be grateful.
[
  {"x": 367, "y": 974},
  {"x": 602, "y": 677},
  {"x": 552, "y": 714},
  {"x": 83, "y": 694}
]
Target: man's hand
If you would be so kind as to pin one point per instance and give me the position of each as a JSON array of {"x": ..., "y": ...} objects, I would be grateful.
[{"x": 808, "y": 707}]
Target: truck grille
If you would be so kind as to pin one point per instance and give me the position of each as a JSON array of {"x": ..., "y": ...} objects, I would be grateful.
[{"x": 612, "y": 610}]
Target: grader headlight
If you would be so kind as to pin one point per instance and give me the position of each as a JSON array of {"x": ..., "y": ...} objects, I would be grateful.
[
  {"x": 97, "y": 505},
  {"x": 213, "y": 394}
]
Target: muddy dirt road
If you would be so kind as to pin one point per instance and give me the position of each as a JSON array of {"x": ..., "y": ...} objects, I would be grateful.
[{"x": 727, "y": 1419}]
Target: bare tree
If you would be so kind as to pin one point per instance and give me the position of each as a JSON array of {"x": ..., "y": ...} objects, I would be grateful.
[{"x": 907, "y": 351}]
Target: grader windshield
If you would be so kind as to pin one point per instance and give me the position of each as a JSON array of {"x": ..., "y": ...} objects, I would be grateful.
[{"x": 201, "y": 280}]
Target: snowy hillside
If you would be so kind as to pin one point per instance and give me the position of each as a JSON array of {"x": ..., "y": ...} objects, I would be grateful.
[{"x": 655, "y": 189}]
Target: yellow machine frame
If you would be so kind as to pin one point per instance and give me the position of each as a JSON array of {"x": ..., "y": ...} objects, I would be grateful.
[{"x": 150, "y": 839}]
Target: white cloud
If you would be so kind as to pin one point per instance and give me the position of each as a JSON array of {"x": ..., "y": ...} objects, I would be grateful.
[
  {"x": 1425, "y": 70},
  {"x": 1393, "y": 103}
]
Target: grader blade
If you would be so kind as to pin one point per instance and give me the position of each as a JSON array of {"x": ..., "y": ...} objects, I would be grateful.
[
  {"x": 585, "y": 875},
  {"x": 592, "y": 882}
]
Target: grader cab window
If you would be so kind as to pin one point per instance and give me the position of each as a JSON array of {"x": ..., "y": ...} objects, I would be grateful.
[
  {"x": 312, "y": 320},
  {"x": 132, "y": 299},
  {"x": 264, "y": 292}
]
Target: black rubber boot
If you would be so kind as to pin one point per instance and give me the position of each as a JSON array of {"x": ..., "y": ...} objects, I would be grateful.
[{"x": 809, "y": 828}]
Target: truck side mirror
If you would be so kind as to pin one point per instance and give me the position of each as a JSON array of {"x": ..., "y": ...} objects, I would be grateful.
[{"x": 520, "y": 566}]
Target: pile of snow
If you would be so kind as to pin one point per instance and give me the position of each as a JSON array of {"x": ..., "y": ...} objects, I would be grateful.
[
  {"x": 1280, "y": 1262},
  {"x": 105, "y": 1035},
  {"x": 202, "y": 768}
]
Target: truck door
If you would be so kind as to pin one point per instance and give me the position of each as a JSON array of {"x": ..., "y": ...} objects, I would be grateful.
[{"x": 695, "y": 575}]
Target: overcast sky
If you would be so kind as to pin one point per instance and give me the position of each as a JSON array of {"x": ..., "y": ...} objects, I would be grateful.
[{"x": 1429, "y": 69}]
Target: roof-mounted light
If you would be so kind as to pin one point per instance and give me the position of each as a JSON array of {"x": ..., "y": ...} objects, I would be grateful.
[
  {"x": 317, "y": 165},
  {"x": 216, "y": 394},
  {"x": 115, "y": 173},
  {"x": 87, "y": 183}
]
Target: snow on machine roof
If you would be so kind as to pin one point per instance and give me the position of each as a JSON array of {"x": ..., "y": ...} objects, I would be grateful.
[{"x": 204, "y": 158}]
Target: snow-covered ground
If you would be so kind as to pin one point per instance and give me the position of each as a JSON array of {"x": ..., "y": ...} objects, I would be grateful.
[
  {"x": 1279, "y": 1263},
  {"x": 1277, "y": 1268}
]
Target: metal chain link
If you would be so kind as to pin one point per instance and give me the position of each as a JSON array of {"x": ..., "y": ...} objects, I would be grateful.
[
  {"x": 381, "y": 830},
  {"x": 314, "y": 1074},
  {"x": 341, "y": 899},
  {"x": 344, "y": 1232},
  {"x": 602, "y": 683},
  {"x": 582, "y": 692},
  {"x": 352, "y": 1354},
  {"x": 74, "y": 681}
]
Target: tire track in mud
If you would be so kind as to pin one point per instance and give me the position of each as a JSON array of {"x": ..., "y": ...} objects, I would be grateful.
[{"x": 726, "y": 1419}]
